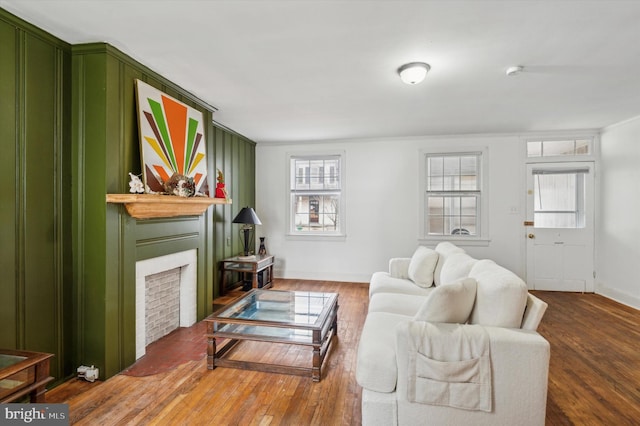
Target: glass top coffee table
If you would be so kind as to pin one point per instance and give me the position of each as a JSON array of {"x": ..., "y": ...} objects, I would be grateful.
[
  {"x": 290, "y": 317},
  {"x": 22, "y": 373}
]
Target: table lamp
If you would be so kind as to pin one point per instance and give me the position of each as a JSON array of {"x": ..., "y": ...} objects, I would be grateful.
[{"x": 248, "y": 217}]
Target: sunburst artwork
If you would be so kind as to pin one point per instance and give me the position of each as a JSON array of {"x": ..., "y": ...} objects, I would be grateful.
[{"x": 172, "y": 140}]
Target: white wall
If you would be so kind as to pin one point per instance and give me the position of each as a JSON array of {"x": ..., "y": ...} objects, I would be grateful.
[
  {"x": 382, "y": 206},
  {"x": 618, "y": 218}
]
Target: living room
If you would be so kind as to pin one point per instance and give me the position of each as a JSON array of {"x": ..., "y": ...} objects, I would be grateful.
[{"x": 588, "y": 94}]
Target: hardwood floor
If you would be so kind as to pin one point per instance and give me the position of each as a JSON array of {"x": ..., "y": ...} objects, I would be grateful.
[
  {"x": 594, "y": 376},
  {"x": 594, "y": 372},
  {"x": 193, "y": 395}
]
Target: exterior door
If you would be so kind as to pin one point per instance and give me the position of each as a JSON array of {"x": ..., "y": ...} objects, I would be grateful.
[{"x": 560, "y": 226}]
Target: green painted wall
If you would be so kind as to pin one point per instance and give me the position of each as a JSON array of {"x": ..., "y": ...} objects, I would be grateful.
[
  {"x": 69, "y": 136},
  {"x": 35, "y": 202},
  {"x": 107, "y": 240}
]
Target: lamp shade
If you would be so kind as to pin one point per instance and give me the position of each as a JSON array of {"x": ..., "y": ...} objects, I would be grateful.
[
  {"x": 248, "y": 216},
  {"x": 413, "y": 72}
]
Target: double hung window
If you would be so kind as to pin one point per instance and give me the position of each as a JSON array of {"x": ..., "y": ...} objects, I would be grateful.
[
  {"x": 316, "y": 192},
  {"x": 453, "y": 195}
]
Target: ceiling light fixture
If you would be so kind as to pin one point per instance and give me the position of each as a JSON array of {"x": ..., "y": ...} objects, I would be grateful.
[
  {"x": 515, "y": 70},
  {"x": 413, "y": 72}
]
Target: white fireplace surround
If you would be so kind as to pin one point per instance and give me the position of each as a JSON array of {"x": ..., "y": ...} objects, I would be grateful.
[{"x": 188, "y": 262}]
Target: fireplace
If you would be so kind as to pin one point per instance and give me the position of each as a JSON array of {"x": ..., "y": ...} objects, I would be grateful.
[{"x": 185, "y": 266}]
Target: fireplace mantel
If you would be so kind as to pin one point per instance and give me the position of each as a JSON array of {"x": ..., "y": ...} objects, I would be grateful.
[{"x": 147, "y": 206}]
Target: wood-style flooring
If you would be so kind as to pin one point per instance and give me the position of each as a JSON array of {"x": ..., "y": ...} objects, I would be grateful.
[
  {"x": 594, "y": 376},
  {"x": 594, "y": 372},
  {"x": 193, "y": 395}
]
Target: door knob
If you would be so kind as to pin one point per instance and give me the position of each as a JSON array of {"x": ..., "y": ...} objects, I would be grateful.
[{"x": 532, "y": 236}]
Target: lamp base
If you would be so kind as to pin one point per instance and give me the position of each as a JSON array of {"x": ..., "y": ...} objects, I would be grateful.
[{"x": 246, "y": 230}]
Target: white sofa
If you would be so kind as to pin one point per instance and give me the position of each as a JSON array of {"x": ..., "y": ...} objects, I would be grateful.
[{"x": 409, "y": 306}]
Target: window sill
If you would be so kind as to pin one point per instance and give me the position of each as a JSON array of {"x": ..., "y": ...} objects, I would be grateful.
[
  {"x": 462, "y": 242},
  {"x": 316, "y": 237}
]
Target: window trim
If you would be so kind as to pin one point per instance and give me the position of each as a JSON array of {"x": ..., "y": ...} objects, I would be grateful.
[
  {"x": 483, "y": 237},
  {"x": 290, "y": 233}
]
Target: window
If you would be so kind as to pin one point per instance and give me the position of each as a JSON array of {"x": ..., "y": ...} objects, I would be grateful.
[
  {"x": 554, "y": 148},
  {"x": 453, "y": 196},
  {"x": 559, "y": 200},
  {"x": 316, "y": 189}
]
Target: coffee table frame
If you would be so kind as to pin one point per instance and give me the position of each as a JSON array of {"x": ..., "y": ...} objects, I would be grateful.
[{"x": 223, "y": 326}]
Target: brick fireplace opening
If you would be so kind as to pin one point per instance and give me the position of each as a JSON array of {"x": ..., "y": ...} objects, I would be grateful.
[
  {"x": 166, "y": 292},
  {"x": 162, "y": 304}
]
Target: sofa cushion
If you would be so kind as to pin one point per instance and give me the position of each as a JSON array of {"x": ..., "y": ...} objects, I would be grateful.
[
  {"x": 377, "y": 368},
  {"x": 383, "y": 282},
  {"x": 399, "y": 267},
  {"x": 501, "y": 296},
  {"x": 422, "y": 265},
  {"x": 457, "y": 266},
  {"x": 449, "y": 302},
  {"x": 444, "y": 250},
  {"x": 397, "y": 303}
]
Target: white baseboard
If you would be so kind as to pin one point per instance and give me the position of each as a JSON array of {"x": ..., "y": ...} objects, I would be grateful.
[
  {"x": 618, "y": 296},
  {"x": 322, "y": 276}
]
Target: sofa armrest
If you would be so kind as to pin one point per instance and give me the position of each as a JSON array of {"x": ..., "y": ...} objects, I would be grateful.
[
  {"x": 399, "y": 267},
  {"x": 533, "y": 312},
  {"x": 520, "y": 368}
]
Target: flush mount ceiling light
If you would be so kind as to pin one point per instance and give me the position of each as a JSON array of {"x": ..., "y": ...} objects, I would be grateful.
[
  {"x": 515, "y": 70},
  {"x": 413, "y": 72}
]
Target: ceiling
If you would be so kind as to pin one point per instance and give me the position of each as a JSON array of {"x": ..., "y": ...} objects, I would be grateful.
[{"x": 283, "y": 71}]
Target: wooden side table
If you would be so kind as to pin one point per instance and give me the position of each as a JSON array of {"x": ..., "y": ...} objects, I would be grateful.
[
  {"x": 253, "y": 265},
  {"x": 22, "y": 373}
]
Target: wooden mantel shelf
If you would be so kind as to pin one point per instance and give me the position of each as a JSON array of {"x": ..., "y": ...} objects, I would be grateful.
[{"x": 147, "y": 206}]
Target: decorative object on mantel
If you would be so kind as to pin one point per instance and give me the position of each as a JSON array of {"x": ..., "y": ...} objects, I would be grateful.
[
  {"x": 135, "y": 184},
  {"x": 247, "y": 217},
  {"x": 172, "y": 144},
  {"x": 221, "y": 192},
  {"x": 180, "y": 185}
]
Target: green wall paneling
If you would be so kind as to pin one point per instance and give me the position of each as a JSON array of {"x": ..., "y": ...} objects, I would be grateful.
[
  {"x": 235, "y": 156},
  {"x": 35, "y": 220},
  {"x": 108, "y": 241},
  {"x": 38, "y": 192},
  {"x": 9, "y": 142},
  {"x": 65, "y": 145}
]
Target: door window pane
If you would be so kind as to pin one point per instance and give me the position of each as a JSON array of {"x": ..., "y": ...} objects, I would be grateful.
[
  {"x": 559, "y": 200},
  {"x": 555, "y": 148},
  {"x": 552, "y": 148}
]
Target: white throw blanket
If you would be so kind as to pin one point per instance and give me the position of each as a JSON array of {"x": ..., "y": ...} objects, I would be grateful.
[{"x": 450, "y": 365}]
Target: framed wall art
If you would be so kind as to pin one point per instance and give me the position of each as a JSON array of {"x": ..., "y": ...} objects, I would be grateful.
[{"x": 172, "y": 142}]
